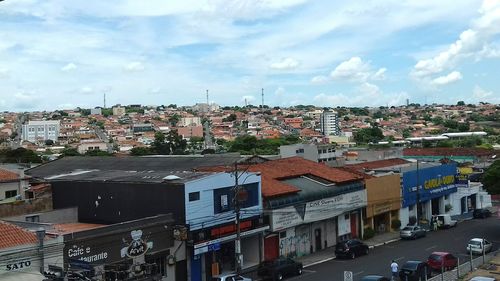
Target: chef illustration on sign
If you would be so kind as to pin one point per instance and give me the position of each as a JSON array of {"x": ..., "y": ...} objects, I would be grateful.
[{"x": 137, "y": 246}]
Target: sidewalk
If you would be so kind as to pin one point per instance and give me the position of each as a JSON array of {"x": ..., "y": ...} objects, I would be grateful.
[{"x": 329, "y": 253}]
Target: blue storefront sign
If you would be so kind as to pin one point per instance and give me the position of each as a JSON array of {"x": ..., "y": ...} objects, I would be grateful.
[{"x": 434, "y": 182}]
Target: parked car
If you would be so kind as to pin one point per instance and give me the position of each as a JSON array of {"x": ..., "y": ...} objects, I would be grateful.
[
  {"x": 414, "y": 271},
  {"x": 444, "y": 221},
  {"x": 279, "y": 269},
  {"x": 442, "y": 259},
  {"x": 351, "y": 248},
  {"x": 412, "y": 232},
  {"x": 375, "y": 278},
  {"x": 481, "y": 213},
  {"x": 230, "y": 277},
  {"x": 476, "y": 245},
  {"x": 480, "y": 278}
]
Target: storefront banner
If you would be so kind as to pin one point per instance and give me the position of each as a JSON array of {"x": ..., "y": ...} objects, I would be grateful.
[
  {"x": 317, "y": 210},
  {"x": 115, "y": 247},
  {"x": 211, "y": 245}
]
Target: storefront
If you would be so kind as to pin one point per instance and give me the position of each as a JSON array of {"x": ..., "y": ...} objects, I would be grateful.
[
  {"x": 436, "y": 184},
  {"x": 138, "y": 249},
  {"x": 384, "y": 201},
  {"x": 213, "y": 250},
  {"x": 304, "y": 228}
]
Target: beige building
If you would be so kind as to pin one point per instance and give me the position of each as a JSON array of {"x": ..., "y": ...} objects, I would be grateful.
[{"x": 384, "y": 201}]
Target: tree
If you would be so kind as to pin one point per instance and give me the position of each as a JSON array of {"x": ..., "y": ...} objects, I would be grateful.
[
  {"x": 169, "y": 144},
  {"x": 460, "y": 103},
  {"x": 140, "y": 151},
  {"x": 491, "y": 178},
  {"x": 69, "y": 151},
  {"x": 230, "y": 118},
  {"x": 367, "y": 135},
  {"x": 463, "y": 127}
]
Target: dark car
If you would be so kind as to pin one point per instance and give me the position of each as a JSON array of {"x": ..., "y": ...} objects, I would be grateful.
[
  {"x": 481, "y": 213},
  {"x": 351, "y": 248},
  {"x": 414, "y": 271},
  {"x": 279, "y": 268},
  {"x": 438, "y": 260},
  {"x": 375, "y": 278}
]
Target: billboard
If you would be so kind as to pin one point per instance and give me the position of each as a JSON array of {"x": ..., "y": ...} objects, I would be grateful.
[{"x": 434, "y": 182}]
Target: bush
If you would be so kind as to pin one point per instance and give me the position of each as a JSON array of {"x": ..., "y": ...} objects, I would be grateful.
[
  {"x": 448, "y": 207},
  {"x": 369, "y": 233},
  {"x": 396, "y": 224}
]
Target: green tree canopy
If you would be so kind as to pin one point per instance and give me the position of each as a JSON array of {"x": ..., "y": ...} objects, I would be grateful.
[
  {"x": 491, "y": 178},
  {"x": 367, "y": 135}
]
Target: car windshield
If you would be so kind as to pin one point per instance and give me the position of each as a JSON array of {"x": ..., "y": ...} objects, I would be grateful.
[
  {"x": 408, "y": 228},
  {"x": 410, "y": 265},
  {"x": 341, "y": 245},
  {"x": 435, "y": 257},
  {"x": 475, "y": 242}
]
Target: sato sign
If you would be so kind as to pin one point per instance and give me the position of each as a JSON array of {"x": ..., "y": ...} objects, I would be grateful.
[{"x": 317, "y": 210}]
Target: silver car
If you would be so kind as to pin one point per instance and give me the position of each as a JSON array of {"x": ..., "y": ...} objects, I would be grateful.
[
  {"x": 230, "y": 277},
  {"x": 476, "y": 246},
  {"x": 412, "y": 232}
]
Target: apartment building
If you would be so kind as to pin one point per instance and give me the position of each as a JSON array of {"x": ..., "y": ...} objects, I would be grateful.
[{"x": 41, "y": 130}]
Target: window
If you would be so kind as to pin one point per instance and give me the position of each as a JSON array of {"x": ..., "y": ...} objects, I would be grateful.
[
  {"x": 223, "y": 198},
  {"x": 194, "y": 196},
  {"x": 283, "y": 234},
  {"x": 10, "y": 193}
]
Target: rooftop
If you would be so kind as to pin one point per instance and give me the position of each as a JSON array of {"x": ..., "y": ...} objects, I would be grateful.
[{"x": 12, "y": 236}]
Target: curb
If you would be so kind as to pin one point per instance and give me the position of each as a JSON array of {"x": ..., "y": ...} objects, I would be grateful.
[{"x": 333, "y": 258}]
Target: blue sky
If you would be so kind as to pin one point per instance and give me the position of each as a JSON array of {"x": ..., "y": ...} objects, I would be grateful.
[{"x": 57, "y": 54}]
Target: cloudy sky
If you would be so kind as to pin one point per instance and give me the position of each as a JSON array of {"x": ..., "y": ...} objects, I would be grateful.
[{"x": 62, "y": 54}]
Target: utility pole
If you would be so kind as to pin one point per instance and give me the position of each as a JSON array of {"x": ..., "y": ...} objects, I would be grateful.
[
  {"x": 40, "y": 234},
  {"x": 418, "y": 193},
  {"x": 237, "y": 244}
]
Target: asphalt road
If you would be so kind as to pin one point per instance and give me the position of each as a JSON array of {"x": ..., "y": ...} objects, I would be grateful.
[{"x": 378, "y": 260}]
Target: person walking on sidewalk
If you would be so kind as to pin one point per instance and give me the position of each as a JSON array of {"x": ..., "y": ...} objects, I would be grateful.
[{"x": 394, "y": 270}]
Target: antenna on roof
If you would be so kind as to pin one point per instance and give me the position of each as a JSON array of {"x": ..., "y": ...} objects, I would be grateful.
[
  {"x": 104, "y": 100},
  {"x": 262, "y": 100}
]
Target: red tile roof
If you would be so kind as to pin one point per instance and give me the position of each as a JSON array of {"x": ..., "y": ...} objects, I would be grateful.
[
  {"x": 13, "y": 235},
  {"x": 8, "y": 175},
  {"x": 272, "y": 172},
  {"x": 379, "y": 164},
  {"x": 448, "y": 151}
]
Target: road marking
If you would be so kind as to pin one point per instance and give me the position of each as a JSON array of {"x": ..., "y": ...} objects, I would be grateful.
[
  {"x": 308, "y": 271},
  {"x": 398, "y": 259},
  {"x": 431, "y": 247},
  {"x": 357, "y": 273}
]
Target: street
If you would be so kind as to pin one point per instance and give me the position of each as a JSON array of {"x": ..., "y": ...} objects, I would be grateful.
[{"x": 378, "y": 260}]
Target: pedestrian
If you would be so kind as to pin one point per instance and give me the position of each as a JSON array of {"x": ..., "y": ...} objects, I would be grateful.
[
  {"x": 394, "y": 270},
  {"x": 434, "y": 224}
]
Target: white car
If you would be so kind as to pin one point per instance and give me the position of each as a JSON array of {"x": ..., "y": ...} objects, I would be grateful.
[
  {"x": 476, "y": 245},
  {"x": 480, "y": 278},
  {"x": 230, "y": 277}
]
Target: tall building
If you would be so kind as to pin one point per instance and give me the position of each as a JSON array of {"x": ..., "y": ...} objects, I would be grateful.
[
  {"x": 329, "y": 123},
  {"x": 41, "y": 130}
]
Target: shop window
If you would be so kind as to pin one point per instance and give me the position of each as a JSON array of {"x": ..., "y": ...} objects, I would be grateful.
[
  {"x": 446, "y": 197},
  {"x": 346, "y": 216},
  {"x": 194, "y": 196},
  {"x": 410, "y": 208},
  {"x": 10, "y": 193},
  {"x": 282, "y": 234}
]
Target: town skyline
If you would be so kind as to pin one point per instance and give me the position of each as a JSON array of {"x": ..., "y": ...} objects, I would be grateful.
[{"x": 58, "y": 56}]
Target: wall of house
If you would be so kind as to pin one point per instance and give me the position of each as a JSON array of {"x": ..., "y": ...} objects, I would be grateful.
[
  {"x": 383, "y": 194},
  {"x": 114, "y": 202},
  {"x": 8, "y": 186},
  {"x": 16, "y": 208},
  {"x": 202, "y": 212}
]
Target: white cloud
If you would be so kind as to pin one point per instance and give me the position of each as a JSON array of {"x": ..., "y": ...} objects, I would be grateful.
[
  {"x": 472, "y": 41},
  {"x": 134, "y": 67},
  {"x": 4, "y": 73},
  {"x": 69, "y": 67},
  {"x": 86, "y": 90},
  {"x": 285, "y": 64},
  {"x": 155, "y": 90},
  {"x": 447, "y": 79},
  {"x": 480, "y": 94},
  {"x": 356, "y": 70},
  {"x": 25, "y": 100},
  {"x": 321, "y": 79}
]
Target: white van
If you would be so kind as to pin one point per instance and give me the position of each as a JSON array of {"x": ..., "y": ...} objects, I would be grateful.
[{"x": 444, "y": 221}]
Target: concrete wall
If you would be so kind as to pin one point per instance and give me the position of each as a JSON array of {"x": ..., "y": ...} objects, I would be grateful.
[
  {"x": 68, "y": 215},
  {"x": 26, "y": 207}
]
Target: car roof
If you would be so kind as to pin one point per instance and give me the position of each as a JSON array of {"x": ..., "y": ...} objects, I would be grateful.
[
  {"x": 225, "y": 275},
  {"x": 481, "y": 278},
  {"x": 372, "y": 277},
  {"x": 477, "y": 239},
  {"x": 413, "y": 262},
  {"x": 440, "y": 253}
]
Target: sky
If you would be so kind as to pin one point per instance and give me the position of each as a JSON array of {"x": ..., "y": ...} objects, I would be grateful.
[{"x": 59, "y": 54}]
